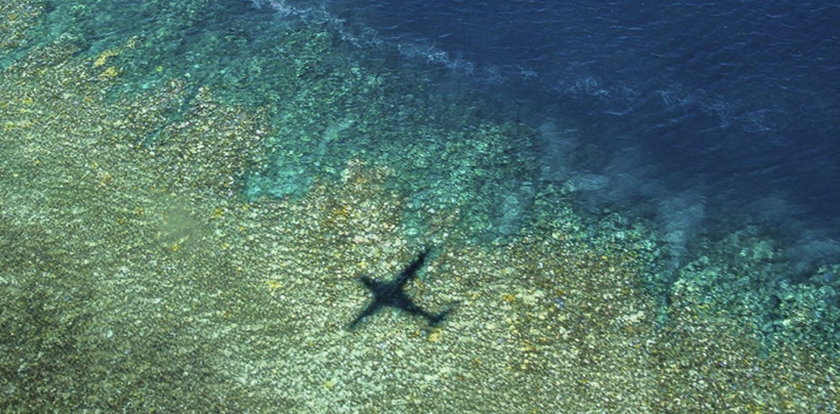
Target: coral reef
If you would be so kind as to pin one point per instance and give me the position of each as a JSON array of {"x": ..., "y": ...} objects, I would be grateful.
[{"x": 144, "y": 267}]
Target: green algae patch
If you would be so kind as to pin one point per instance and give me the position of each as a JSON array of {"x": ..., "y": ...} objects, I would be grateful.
[{"x": 16, "y": 18}]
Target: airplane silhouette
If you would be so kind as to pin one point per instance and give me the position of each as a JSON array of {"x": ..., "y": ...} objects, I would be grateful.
[{"x": 391, "y": 294}]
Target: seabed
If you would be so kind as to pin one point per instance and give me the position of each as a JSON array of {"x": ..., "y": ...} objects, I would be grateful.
[{"x": 172, "y": 249}]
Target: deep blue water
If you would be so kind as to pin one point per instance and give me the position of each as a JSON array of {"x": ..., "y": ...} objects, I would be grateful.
[{"x": 730, "y": 107}]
